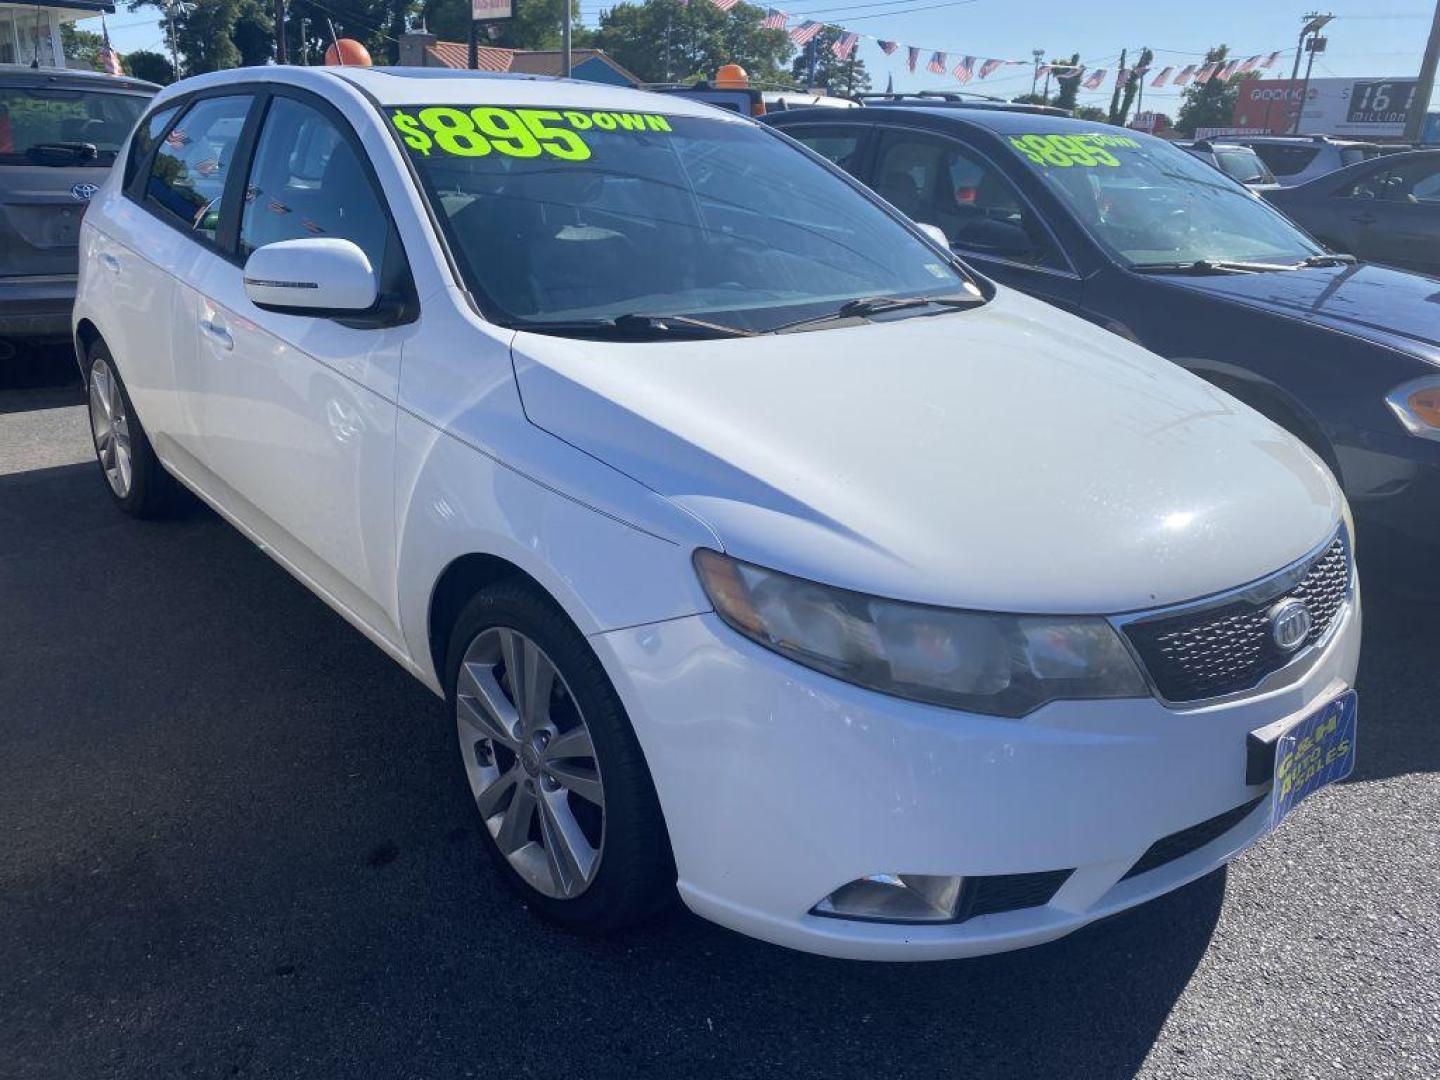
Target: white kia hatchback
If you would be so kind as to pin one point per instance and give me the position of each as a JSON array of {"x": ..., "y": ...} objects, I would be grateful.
[{"x": 757, "y": 545}]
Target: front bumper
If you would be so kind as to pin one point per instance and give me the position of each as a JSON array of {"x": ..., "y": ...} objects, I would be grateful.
[
  {"x": 1393, "y": 480},
  {"x": 36, "y": 307},
  {"x": 780, "y": 784}
]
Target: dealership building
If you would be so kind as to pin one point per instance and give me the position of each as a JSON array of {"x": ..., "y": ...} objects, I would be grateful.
[{"x": 30, "y": 32}]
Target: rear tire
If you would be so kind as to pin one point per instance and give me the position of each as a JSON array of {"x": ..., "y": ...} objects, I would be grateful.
[
  {"x": 133, "y": 474},
  {"x": 566, "y": 805}
]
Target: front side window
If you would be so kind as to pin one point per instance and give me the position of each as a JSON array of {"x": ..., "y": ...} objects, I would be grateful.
[
  {"x": 1412, "y": 182},
  {"x": 942, "y": 183},
  {"x": 576, "y": 214},
  {"x": 838, "y": 145},
  {"x": 1153, "y": 205},
  {"x": 307, "y": 181},
  {"x": 54, "y": 126},
  {"x": 187, "y": 177}
]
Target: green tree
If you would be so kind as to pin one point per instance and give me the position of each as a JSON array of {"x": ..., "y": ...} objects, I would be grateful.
[
  {"x": 1124, "y": 95},
  {"x": 668, "y": 41},
  {"x": 1068, "y": 86},
  {"x": 536, "y": 24},
  {"x": 1212, "y": 103},
  {"x": 151, "y": 66},
  {"x": 839, "y": 76},
  {"x": 216, "y": 34},
  {"x": 1090, "y": 112},
  {"x": 376, "y": 24},
  {"x": 82, "y": 47}
]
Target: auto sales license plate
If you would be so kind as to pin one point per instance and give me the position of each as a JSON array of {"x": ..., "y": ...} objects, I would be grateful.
[{"x": 1316, "y": 751}]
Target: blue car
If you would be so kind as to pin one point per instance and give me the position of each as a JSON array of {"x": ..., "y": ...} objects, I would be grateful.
[{"x": 1146, "y": 240}]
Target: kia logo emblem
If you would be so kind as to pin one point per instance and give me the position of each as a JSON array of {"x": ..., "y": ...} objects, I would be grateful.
[
  {"x": 1290, "y": 624},
  {"x": 84, "y": 192}
]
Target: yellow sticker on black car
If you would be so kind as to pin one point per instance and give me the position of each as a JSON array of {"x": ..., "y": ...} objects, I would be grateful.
[
  {"x": 523, "y": 133},
  {"x": 1065, "y": 151}
]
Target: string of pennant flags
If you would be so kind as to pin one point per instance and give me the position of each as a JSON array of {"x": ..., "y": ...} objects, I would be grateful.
[{"x": 971, "y": 67}]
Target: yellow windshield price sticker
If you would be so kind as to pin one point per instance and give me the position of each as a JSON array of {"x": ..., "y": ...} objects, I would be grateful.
[
  {"x": 1065, "y": 151},
  {"x": 522, "y": 133}
]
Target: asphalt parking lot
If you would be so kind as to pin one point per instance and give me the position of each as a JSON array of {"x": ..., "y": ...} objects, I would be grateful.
[{"x": 232, "y": 843}]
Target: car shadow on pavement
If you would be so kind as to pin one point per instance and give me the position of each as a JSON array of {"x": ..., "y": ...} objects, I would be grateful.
[{"x": 237, "y": 843}]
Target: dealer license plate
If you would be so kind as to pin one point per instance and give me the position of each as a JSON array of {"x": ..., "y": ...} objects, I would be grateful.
[{"x": 1316, "y": 751}]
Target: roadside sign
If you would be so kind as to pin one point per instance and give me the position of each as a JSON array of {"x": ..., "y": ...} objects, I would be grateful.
[{"x": 491, "y": 10}]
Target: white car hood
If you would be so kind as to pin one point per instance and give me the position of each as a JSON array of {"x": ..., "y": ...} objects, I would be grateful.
[{"x": 1010, "y": 457}]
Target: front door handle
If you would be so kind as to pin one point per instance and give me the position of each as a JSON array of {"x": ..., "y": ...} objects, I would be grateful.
[
  {"x": 110, "y": 262},
  {"x": 217, "y": 333}
]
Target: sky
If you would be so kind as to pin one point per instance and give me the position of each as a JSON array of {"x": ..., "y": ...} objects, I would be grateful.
[{"x": 1369, "y": 38}]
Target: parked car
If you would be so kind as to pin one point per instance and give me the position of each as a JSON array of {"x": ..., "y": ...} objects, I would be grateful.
[
  {"x": 1297, "y": 159},
  {"x": 1237, "y": 162},
  {"x": 752, "y": 540},
  {"x": 1385, "y": 210},
  {"x": 59, "y": 132},
  {"x": 1139, "y": 237}
]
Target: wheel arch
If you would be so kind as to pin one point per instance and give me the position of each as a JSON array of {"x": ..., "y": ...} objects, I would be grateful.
[
  {"x": 86, "y": 335},
  {"x": 461, "y": 579}
]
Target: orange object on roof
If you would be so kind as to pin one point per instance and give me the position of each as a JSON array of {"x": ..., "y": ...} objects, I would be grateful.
[
  {"x": 732, "y": 77},
  {"x": 347, "y": 52}
]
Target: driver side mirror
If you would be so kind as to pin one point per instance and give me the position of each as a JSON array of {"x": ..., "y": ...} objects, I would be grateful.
[{"x": 321, "y": 276}]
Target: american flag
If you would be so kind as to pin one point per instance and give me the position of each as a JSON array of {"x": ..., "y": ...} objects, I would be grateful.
[
  {"x": 724, "y": 5},
  {"x": 1206, "y": 73},
  {"x": 1186, "y": 74},
  {"x": 913, "y": 58},
  {"x": 208, "y": 167},
  {"x": 1229, "y": 70},
  {"x": 177, "y": 139},
  {"x": 888, "y": 47},
  {"x": 275, "y": 206},
  {"x": 845, "y": 45},
  {"x": 110, "y": 61},
  {"x": 775, "y": 20},
  {"x": 802, "y": 34},
  {"x": 1096, "y": 78},
  {"x": 1121, "y": 76},
  {"x": 1159, "y": 80},
  {"x": 1270, "y": 60},
  {"x": 936, "y": 64},
  {"x": 965, "y": 69},
  {"x": 989, "y": 67},
  {"x": 1250, "y": 64}
]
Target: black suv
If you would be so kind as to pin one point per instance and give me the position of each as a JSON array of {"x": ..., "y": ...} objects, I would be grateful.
[
  {"x": 59, "y": 132},
  {"x": 1148, "y": 241}
]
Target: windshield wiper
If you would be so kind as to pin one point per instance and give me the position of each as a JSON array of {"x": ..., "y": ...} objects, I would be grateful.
[
  {"x": 66, "y": 152},
  {"x": 1330, "y": 258},
  {"x": 637, "y": 326},
  {"x": 1210, "y": 266},
  {"x": 866, "y": 306}
]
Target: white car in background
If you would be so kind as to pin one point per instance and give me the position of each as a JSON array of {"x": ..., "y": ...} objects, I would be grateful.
[{"x": 756, "y": 544}]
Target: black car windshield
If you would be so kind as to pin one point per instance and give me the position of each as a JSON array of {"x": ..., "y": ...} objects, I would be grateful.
[
  {"x": 577, "y": 216},
  {"x": 1153, "y": 204},
  {"x": 43, "y": 125}
]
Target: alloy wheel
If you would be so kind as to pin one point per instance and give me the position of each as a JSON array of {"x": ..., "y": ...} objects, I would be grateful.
[
  {"x": 530, "y": 762},
  {"x": 111, "y": 426}
]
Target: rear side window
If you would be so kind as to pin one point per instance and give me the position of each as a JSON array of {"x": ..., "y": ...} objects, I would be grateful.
[
  {"x": 1286, "y": 160},
  {"x": 144, "y": 140},
  {"x": 187, "y": 177},
  {"x": 307, "y": 181}
]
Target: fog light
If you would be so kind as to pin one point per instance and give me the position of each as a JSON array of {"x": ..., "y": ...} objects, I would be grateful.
[{"x": 894, "y": 898}]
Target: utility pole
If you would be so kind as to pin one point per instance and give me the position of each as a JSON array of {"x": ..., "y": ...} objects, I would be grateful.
[
  {"x": 1420, "y": 104},
  {"x": 565, "y": 41},
  {"x": 170, "y": 26},
  {"x": 281, "y": 57},
  {"x": 1313, "y": 24}
]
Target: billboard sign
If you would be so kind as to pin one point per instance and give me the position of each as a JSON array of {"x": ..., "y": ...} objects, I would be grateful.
[
  {"x": 492, "y": 10},
  {"x": 1371, "y": 108}
]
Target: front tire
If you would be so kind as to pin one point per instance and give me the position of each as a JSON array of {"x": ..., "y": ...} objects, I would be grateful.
[
  {"x": 133, "y": 474},
  {"x": 566, "y": 805}
]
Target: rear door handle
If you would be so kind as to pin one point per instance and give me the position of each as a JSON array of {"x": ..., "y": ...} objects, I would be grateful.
[
  {"x": 110, "y": 262},
  {"x": 217, "y": 333}
]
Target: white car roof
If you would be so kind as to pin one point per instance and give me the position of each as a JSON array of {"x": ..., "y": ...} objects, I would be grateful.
[{"x": 444, "y": 86}]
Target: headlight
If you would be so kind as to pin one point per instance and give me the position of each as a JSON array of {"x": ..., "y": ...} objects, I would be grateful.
[
  {"x": 1417, "y": 404},
  {"x": 1006, "y": 665}
]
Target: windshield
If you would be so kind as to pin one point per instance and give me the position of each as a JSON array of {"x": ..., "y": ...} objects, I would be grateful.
[
  {"x": 1244, "y": 165},
  {"x": 1151, "y": 203},
  {"x": 578, "y": 215},
  {"x": 32, "y": 117}
]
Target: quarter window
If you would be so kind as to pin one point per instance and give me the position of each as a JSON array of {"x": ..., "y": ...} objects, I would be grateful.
[
  {"x": 938, "y": 182},
  {"x": 840, "y": 145},
  {"x": 146, "y": 135},
  {"x": 307, "y": 181},
  {"x": 187, "y": 178}
]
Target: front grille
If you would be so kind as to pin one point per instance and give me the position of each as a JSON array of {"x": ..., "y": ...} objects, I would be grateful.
[
  {"x": 1213, "y": 649},
  {"x": 1179, "y": 844},
  {"x": 1008, "y": 892}
]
